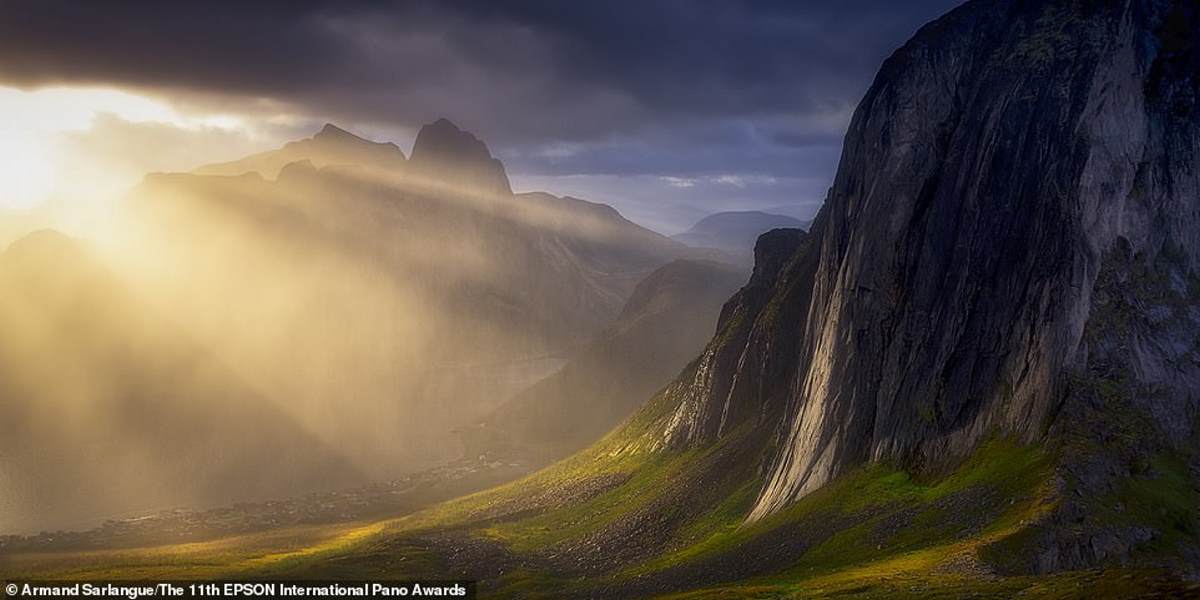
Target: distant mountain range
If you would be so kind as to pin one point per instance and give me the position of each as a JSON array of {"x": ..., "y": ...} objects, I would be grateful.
[
  {"x": 735, "y": 232},
  {"x": 371, "y": 302}
]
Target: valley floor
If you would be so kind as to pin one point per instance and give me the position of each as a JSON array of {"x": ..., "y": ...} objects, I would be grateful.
[
  {"x": 651, "y": 523},
  {"x": 376, "y": 550}
]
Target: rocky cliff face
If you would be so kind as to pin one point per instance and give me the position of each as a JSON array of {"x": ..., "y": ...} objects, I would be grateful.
[{"x": 1016, "y": 211}]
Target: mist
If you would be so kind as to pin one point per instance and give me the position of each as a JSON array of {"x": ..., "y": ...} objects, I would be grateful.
[{"x": 234, "y": 338}]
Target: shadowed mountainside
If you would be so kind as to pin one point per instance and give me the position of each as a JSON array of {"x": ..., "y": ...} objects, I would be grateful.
[{"x": 665, "y": 324}]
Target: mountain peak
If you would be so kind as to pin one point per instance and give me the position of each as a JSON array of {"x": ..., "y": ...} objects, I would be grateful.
[
  {"x": 331, "y": 132},
  {"x": 442, "y": 137},
  {"x": 332, "y": 145},
  {"x": 444, "y": 152}
]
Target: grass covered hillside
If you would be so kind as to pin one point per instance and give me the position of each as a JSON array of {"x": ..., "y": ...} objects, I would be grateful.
[{"x": 629, "y": 519}]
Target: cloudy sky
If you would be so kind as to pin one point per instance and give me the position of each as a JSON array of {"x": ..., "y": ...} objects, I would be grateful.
[{"x": 667, "y": 109}]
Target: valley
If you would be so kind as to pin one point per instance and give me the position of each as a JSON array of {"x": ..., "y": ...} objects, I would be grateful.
[{"x": 973, "y": 373}]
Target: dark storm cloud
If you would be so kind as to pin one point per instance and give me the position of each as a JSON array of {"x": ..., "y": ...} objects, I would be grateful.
[{"x": 655, "y": 86}]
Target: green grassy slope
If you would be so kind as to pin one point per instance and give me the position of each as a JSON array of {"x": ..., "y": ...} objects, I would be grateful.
[{"x": 626, "y": 519}]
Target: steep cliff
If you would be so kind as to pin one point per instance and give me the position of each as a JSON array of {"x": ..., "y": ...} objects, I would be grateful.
[
  {"x": 981, "y": 362},
  {"x": 1003, "y": 160}
]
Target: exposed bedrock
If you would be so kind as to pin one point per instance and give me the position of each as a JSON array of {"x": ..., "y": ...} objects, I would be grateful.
[{"x": 951, "y": 290}]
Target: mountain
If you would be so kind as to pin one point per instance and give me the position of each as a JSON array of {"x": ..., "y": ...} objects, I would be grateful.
[
  {"x": 734, "y": 232},
  {"x": 107, "y": 407},
  {"x": 452, "y": 197},
  {"x": 444, "y": 153},
  {"x": 330, "y": 146},
  {"x": 1014, "y": 259},
  {"x": 445, "y": 159},
  {"x": 370, "y": 298},
  {"x": 976, "y": 375},
  {"x": 969, "y": 256},
  {"x": 328, "y": 294},
  {"x": 664, "y": 325}
]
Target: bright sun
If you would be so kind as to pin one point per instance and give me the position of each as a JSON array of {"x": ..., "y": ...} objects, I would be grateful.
[{"x": 34, "y": 162}]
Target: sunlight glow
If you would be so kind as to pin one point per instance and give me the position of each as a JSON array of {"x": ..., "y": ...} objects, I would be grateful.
[{"x": 35, "y": 165}]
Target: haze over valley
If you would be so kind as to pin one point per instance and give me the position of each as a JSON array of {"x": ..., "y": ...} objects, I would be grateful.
[
  {"x": 701, "y": 300},
  {"x": 360, "y": 305}
]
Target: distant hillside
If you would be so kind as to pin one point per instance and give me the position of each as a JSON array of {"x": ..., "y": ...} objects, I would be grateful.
[
  {"x": 735, "y": 232},
  {"x": 664, "y": 325}
]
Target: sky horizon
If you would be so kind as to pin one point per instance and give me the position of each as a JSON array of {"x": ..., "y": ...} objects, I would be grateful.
[{"x": 669, "y": 111}]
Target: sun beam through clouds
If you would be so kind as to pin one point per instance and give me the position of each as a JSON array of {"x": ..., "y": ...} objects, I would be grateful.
[{"x": 75, "y": 148}]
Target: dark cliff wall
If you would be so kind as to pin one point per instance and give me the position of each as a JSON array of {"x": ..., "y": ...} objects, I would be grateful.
[{"x": 996, "y": 165}]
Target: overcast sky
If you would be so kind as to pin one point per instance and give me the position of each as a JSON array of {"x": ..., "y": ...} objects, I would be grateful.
[{"x": 668, "y": 109}]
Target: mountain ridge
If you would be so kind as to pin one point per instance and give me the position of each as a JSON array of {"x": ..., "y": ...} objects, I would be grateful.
[
  {"x": 331, "y": 145},
  {"x": 734, "y": 232}
]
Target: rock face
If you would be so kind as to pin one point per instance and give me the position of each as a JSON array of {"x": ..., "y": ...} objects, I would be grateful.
[
  {"x": 734, "y": 232},
  {"x": 1017, "y": 210},
  {"x": 445, "y": 153}
]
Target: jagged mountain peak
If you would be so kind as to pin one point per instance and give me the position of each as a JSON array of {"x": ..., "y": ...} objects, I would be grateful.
[
  {"x": 331, "y": 131},
  {"x": 443, "y": 139},
  {"x": 331, "y": 146},
  {"x": 331, "y": 135},
  {"x": 444, "y": 152}
]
